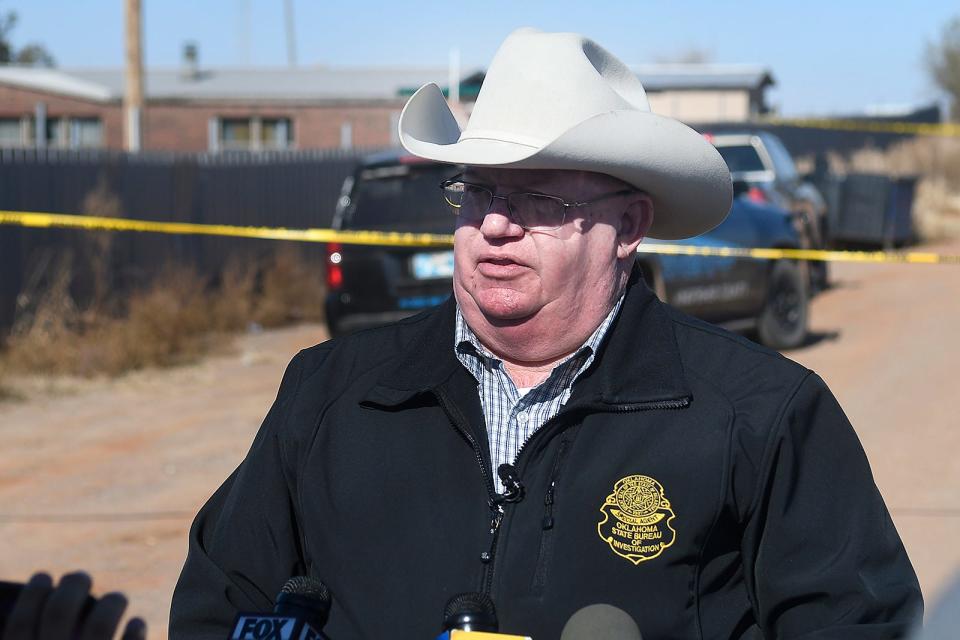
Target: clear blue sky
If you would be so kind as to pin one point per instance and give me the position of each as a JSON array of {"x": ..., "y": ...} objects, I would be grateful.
[{"x": 826, "y": 56}]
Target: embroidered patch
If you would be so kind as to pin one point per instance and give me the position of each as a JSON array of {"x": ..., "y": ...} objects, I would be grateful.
[{"x": 636, "y": 519}]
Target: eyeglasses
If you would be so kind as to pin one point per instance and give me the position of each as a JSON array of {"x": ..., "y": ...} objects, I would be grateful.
[{"x": 532, "y": 211}]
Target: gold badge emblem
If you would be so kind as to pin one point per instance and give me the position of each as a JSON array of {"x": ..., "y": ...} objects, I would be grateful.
[{"x": 636, "y": 519}]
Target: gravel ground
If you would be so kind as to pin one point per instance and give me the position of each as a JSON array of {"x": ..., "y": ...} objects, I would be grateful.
[{"x": 106, "y": 475}]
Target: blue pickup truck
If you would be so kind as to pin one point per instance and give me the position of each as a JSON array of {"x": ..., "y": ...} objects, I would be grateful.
[{"x": 373, "y": 285}]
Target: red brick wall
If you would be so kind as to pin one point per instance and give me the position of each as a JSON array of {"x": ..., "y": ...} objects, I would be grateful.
[
  {"x": 16, "y": 102},
  {"x": 183, "y": 126}
]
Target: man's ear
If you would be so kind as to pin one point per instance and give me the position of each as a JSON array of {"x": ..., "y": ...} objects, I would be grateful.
[{"x": 635, "y": 221}]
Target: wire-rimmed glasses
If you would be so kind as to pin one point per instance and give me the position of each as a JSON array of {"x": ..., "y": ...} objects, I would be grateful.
[{"x": 532, "y": 211}]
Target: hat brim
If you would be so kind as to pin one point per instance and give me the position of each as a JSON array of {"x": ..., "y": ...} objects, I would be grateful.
[{"x": 683, "y": 173}]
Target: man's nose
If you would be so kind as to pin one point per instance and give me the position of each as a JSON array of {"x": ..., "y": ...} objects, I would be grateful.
[{"x": 498, "y": 222}]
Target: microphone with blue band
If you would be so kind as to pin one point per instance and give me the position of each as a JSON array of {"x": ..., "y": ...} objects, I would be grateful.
[{"x": 300, "y": 613}]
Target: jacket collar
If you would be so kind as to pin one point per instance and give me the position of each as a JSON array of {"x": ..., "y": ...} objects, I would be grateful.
[{"x": 639, "y": 361}]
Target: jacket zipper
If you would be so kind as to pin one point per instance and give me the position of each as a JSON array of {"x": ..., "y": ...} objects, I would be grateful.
[
  {"x": 496, "y": 507},
  {"x": 545, "y": 551},
  {"x": 551, "y": 489},
  {"x": 679, "y": 403},
  {"x": 457, "y": 420}
]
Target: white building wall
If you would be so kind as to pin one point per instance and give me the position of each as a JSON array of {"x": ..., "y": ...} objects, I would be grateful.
[{"x": 702, "y": 106}]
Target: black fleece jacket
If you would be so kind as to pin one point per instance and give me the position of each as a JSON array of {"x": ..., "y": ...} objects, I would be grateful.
[{"x": 709, "y": 487}]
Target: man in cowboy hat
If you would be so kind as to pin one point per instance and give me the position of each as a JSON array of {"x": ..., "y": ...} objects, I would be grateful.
[{"x": 554, "y": 436}]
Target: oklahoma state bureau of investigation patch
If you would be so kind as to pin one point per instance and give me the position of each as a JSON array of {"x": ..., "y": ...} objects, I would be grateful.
[{"x": 637, "y": 519}]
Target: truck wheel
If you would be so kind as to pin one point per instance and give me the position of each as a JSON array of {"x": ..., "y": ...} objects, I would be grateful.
[{"x": 782, "y": 323}]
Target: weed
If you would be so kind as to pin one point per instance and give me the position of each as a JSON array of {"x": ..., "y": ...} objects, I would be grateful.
[
  {"x": 178, "y": 318},
  {"x": 290, "y": 291}
]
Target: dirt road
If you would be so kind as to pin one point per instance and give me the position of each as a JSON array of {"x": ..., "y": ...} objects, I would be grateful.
[{"x": 106, "y": 476}]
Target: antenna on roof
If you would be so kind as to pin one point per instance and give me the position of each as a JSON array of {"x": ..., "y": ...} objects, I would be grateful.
[
  {"x": 190, "y": 61},
  {"x": 291, "y": 34}
]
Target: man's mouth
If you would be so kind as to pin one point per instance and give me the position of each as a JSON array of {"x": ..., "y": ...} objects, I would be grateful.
[{"x": 495, "y": 267}]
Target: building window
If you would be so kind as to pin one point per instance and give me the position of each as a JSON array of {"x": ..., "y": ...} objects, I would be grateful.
[
  {"x": 275, "y": 133},
  {"x": 346, "y": 135},
  {"x": 252, "y": 134},
  {"x": 235, "y": 133},
  {"x": 59, "y": 133},
  {"x": 12, "y": 133},
  {"x": 86, "y": 133},
  {"x": 56, "y": 135}
]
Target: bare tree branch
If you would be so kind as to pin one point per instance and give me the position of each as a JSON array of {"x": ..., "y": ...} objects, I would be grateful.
[{"x": 943, "y": 63}]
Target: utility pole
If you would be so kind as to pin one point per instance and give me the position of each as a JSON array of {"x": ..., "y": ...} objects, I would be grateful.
[
  {"x": 291, "y": 34},
  {"x": 133, "y": 85}
]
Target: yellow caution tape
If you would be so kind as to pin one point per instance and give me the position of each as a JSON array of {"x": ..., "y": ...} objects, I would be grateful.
[
  {"x": 911, "y": 128},
  {"x": 382, "y": 238},
  {"x": 913, "y": 257},
  {"x": 398, "y": 239}
]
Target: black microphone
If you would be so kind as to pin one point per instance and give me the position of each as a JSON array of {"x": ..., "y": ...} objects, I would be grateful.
[
  {"x": 600, "y": 622},
  {"x": 513, "y": 488},
  {"x": 300, "y": 613},
  {"x": 470, "y": 612},
  {"x": 472, "y": 616}
]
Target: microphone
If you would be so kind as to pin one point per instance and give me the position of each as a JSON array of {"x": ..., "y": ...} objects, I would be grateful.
[
  {"x": 600, "y": 622},
  {"x": 470, "y": 612},
  {"x": 472, "y": 616},
  {"x": 513, "y": 488},
  {"x": 300, "y": 613}
]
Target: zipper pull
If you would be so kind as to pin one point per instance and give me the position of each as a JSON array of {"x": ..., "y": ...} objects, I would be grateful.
[
  {"x": 554, "y": 475},
  {"x": 487, "y": 556},
  {"x": 548, "y": 511}
]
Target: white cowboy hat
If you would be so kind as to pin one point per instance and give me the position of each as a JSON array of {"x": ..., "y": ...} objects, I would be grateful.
[{"x": 560, "y": 101}]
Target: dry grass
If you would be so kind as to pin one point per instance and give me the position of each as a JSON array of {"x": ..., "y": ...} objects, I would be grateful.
[
  {"x": 232, "y": 308},
  {"x": 936, "y": 162},
  {"x": 98, "y": 245},
  {"x": 177, "y": 319},
  {"x": 291, "y": 292},
  {"x": 165, "y": 324}
]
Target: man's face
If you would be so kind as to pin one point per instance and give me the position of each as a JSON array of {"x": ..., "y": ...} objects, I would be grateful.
[{"x": 508, "y": 275}]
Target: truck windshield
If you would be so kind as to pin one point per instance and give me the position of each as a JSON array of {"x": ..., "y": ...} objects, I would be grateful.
[
  {"x": 401, "y": 198},
  {"x": 741, "y": 158}
]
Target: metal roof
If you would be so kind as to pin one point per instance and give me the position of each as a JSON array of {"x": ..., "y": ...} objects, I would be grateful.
[
  {"x": 664, "y": 77},
  {"x": 305, "y": 83},
  {"x": 330, "y": 83},
  {"x": 54, "y": 81}
]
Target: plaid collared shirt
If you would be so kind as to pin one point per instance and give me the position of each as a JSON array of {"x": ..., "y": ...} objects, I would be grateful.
[{"x": 513, "y": 417}]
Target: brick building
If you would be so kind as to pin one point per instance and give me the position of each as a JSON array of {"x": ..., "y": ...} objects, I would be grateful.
[{"x": 193, "y": 109}]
